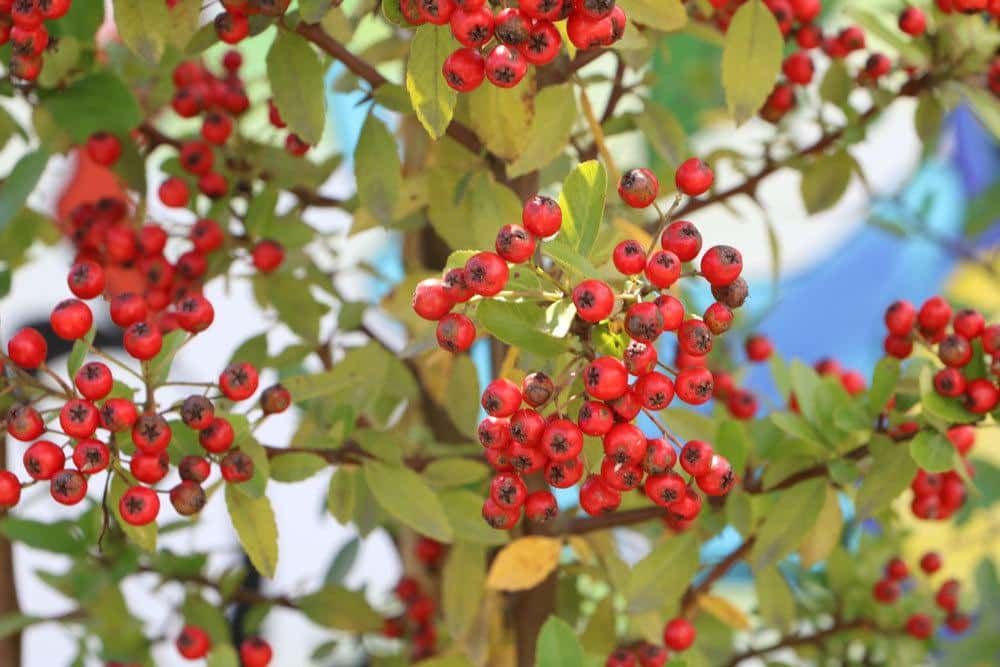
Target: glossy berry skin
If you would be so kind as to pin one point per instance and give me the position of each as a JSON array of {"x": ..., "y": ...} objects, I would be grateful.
[
  {"x": 151, "y": 434},
  {"x": 898, "y": 346},
  {"x": 118, "y": 414},
  {"x": 10, "y": 489},
  {"x": 43, "y": 459},
  {"x": 597, "y": 498},
  {"x": 920, "y": 626},
  {"x": 541, "y": 216},
  {"x": 68, "y": 487},
  {"x": 527, "y": 427},
  {"x": 625, "y": 443},
  {"x": 267, "y": 255},
  {"x": 90, "y": 456},
  {"x": 665, "y": 489},
  {"x": 981, "y": 396},
  {"x": 536, "y": 389},
  {"x": 627, "y": 406},
  {"x": 231, "y": 28},
  {"x": 94, "y": 380},
  {"x": 472, "y": 27},
  {"x": 239, "y": 381},
  {"x": 430, "y": 300},
  {"x": 455, "y": 333},
  {"x": 640, "y": 358},
  {"x": 464, "y": 69},
  {"x": 104, "y": 148},
  {"x": 695, "y": 338},
  {"x": 564, "y": 474},
  {"x": 542, "y": 45},
  {"x": 505, "y": 66},
  {"x": 991, "y": 339},
  {"x": 650, "y": 655},
  {"x": 236, "y": 467},
  {"x": 193, "y": 643},
  {"x": 501, "y": 398},
  {"x": 885, "y": 591},
  {"x": 683, "y": 239},
  {"x": 605, "y": 378},
  {"x": 541, "y": 506},
  {"x": 255, "y": 652},
  {"x": 27, "y": 348},
  {"x": 694, "y": 177},
  {"x": 515, "y": 244},
  {"x": 86, "y": 279},
  {"x": 629, "y": 257},
  {"x": 486, "y": 273},
  {"x": 142, "y": 341},
  {"x": 562, "y": 440},
  {"x": 672, "y": 310},
  {"x": 494, "y": 433},
  {"x": 798, "y": 67},
  {"x": 455, "y": 286},
  {"x": 654, "y": 390},
  {"x": 660, "y": 456},
  {"x": 679, "y": 634},
  {"x": 549, "y": 10},
  {"x": 949, "y": 382},
  {"x": 721, "y": 265},
  {"x": 969, "y": 324},
  {"x": 174, "y": 192},
  {"x": 719, "y": 479},
  {"x": 718, "y": 318},
  {"x": 934, "y": 314},
  {"x": 955, "y": 351},
  {"x": 900, "y": 318},
  {"x": 621, "y": 476},
  {"x": 595, "y": 418},
  {"x": 79, "y": 419},
  {"x": 149, "y": 468},
  {"x": 594, "y": 300},
  {"x": 963, "y": 438},
  {"x": 127, "y": 309},
  {"x": 194, "y": 313},
  {"x": 896, "y": 569},
  {"x": 696, "y": 458},
  {"x": 638, "y": 187},
  {"x": 930, "y": 562},
  {"x": 499, "y": 518},
  {"x": 217, "y": 437},
  {"x": 508, "y": 491},
  {"x": 24, "y": 423},
  {"x": 663, "y": 269},
  {"x": 694, "y": 385}
]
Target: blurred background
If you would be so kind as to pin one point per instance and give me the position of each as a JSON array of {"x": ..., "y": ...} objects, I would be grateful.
[{"x": 914, "y": 229}]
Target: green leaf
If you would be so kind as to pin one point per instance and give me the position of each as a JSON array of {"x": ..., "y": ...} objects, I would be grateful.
[
  {"x": 558, "y": 645},
  {"x": 465, "y": 515},
  {"x": 253, "y": 520},
  {"x": 297, "y": 308},
  {"x": 159, "y": 366},
  {"x": 732, "y": 441},
  {"x": 79, "y": 352},
  {"x": 797, "y": 427},
  {"x": 432, "y": 98},
  {"x": 890, "y": 474},
  {"x": 837, "y": 84},
  {"x": 513, "y": 323},
  {"x": 582, "y": 202},
  {"x": 19, "y": 184},
  {"x": 942, "y": 407},
  {"x": 5, "y": 281},
  {"x": 688, "y": 424},
  {"x": 81, "y": 21},
  {"x": 461, "y": 395},
  {"x": 928, "y": 118},
  {"x": 99, "y": 102},
  {"x": 342, "y": 563},
  {"x": 377, "y": 170},
  {"x": 500, "y": 116},
  {"x": 209, "y": 617},
  {"x": 751, "y": 59},
  {"x": 11, "y": 624},
  {"x": 296, "y": 76},
  {"x": 296, "y": 466},
  {"x": 312, "y": 11},
  {"x": 341, "y": 496},
  {"x": 222, "y": 655},
  {"x": 932, "y": 451},
  {"x": 143, "y": 537},
  {"x": 336, "y": 607},
  {"x": 61, "y": 537},
  {"x": 405, "y": 495},
  {"x": 451, "y": 472},
  {"x": 653, "y": 581},
  {"x": 775, "y": 602},
  {"x": 883, "y": 384},
  {"x": 462, "y": 583},
  {"x": 664, "y": 15},
  {"x": 260, "y": 216},
  {"x": 548, "y": 134},
  {"x": 982, "y": 210},
  {"x": 825, "y": 180},
  {"x": 825, "y": 534},
  {"x": 664, "y": 132},
  {"x": 143, "y": 27},
  {"x": 464, "y": 207},
  {"x": 790, "y": 520}
]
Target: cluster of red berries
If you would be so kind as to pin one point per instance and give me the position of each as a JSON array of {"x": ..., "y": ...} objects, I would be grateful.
[
  {"x": 22, "y": 23},
  {"x": 232, "y": 25},
  {"x": 990, "y": 7},
  {"x": 520, "y": 440},
  {"x": 937, "y": 496},
  {"x": 525, "y": 35},
  {"x": 678, "y": 635},
  {"x": 193, "y": 643},
  {"x": 417, "y": 621},
  {"x": 928, "y": 326},
  {"x": 919, "y": 625}
]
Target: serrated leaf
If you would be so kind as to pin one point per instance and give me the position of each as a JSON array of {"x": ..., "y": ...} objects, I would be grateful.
[
  {"x": 296, "y": 466},
  {"x": 432, "y": 98},
  {"x": 524, "y": 563},
  {"x": 791, "y": 518},
  {"x": 558, "y": 645},
  {"x": 751, "y": 59},
  {"x": 377, "y": 170},
  {"x": 406, "y": 496},
  {"x": 825, "y": 535},
  {"x": 336, "y": 607},
  {"x": 253, "y": 520},
  {"x": 512, "y": 323},
  {"x": 652, "y": 583},
  {"x": 462, "y": 586},
  {"x": 143, "y": 27},
  {"x": 548, "y": 134},
  {"x": 932, "y": 451},
  {"x": 296, "y": 76},
  {"x": 582, "y": 202},
  {"x": 825, "y": 181},
  {"x": 663, "y": 15}
]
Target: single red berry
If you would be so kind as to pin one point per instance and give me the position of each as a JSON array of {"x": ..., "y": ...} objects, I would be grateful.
[
  {"x": 541, "y": 506},
  {"x": 853, "y": 382},
  {"x": 899, "y": 347},
  {"x": 193, "y": 643},
  {"x": 666, "y": 488},
  {"x": 955, "y": 351},
  {"x": 104, "y": 148},
  {"x": 255, "y": 652},
  {"x": 542, "y": 216},
  {"x": 561, "y": 440},
  {"x": 644, "y": 322},
  {"x": 733, "y": 295},
  {"x": 799, "y": 68},
  {"x": 195, "y": 313},
  {"x": 206, "y": 235},
  {"x": 896, "y": 569},
  {"x": 741, "y": 403},
  {"x": 68, "y": 487},
  {"x": 236, "y": 467},
  {"x": 718, "y": 318},
  {"x": 275, "y": 399},
  {"x": 627, "y": 406},
  {"x": 719, "y": 479},
  {"x": 127, "y": 309},
  {"x": 629, "y": 257},
  {"x": 174, "y": 192},
  {"x": 486, "y": 273},
  {"x": 625, "y": 443},
  {"x": 920, "y": 626},
  {"x": 231, "y": 27},
  {"x": 549, "y": 10},
  {"x": 947, "y": 595},
  {"x": 621, "y": 658},
  {"x": 595, "y": 418},
  {"x": 91, "y": 456},
  {"x": 981, "y": 396},
  {"x": 431, "y": 300},
  {"x": 639, "y": 358},
  {"x": 694, "y": 177},
  {"x": 651, "y": 655},
  {"x": 238, "y": 381},
  {"x": 679, "y": 634},
  {"x": 949, "y": 382},
  {"x": 597, "y": 498},
  {"x": 151, "y": 434},
  {"x": 527, "y": 426},
  {"x": 991, "y": 339},
  {"x": 267, "y": 255},
  {"x": 930, "y": 562},
  {"x": 621, "y": 476},
  {"x": 721, "y": 265},
  {"x": 24, "y": 423},
  {"x": 27, "y": 348},
  {"x": 10, "y": 489},
  {"x": 512, "y": 26},
  {"x": 683, "y": 239},
  {"x": 672, "y": 310},
  {"x": 934, "y": 314},
  {"x": 43, "y": 459},
  {"x": 494, "y": 433},
  {"x": 594, "y": 300},
  {"x": 505, "y": 66},
  {"x": 696, "y": 458},
  {"x": 437, "y": 12},
  {"x": 78, "y": 418},
  {"x": 295, "y": 146},
  {"x": 515, "y": 244},
  {"x": 759, "y": 348},
  {"x": 536, "y": 389},
  {"x": 694, "y": 385},
  {"x": 143, "y": 341},
  {"x": 885, "y": 591},
  {"x": 638, "y": 187},
  {"x": 660, "y": 456},
  {"x": 472, "y": 27},
  {"x": 508, "y": 491},
  {"x": 197, "y": 412},
  {"x": 217, "y": 437},
  {"x": 499, "y": 517},
  {"x": 605, "y": 378},
  {"x": 71, "y": 319},
  {"x": 663, "y": 269},
  {"x": 188, "y": 498},
  {"x": 464, "y": 70},
  {"x": 118, "y": 414},
  {"x": 94, "y": 380},
  {"x": 852, "y": 38},
  {"x": 455, "y": 286},
  {"x": 197, "y": 158},
  {"x": 963, "y": 438},
  {"x": 501, "y": 398},
  {"x": 654, "y": 390},
  {"x": 695, "y": 338},
  {"x": 563, "y": 474},
  {"x": 149, "y": 468},
  {"x": 543, "y": 43}
]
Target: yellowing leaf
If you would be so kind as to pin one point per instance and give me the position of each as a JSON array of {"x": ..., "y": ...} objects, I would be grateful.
[
  {"x": 433, "y": 100},
  {"x": 665, "y": 15},
  {"x": 462, "y": 586},
  {"x": 500, "y": 116},
  {"x": 725, "y": 611},
  {"x": 143, "y": 27},
  {"x": 825, "y": 535},
  {"x": 555, "y": 114},
  {"x": 524, "y": 563},
  {"x": 751, "y": 59}
]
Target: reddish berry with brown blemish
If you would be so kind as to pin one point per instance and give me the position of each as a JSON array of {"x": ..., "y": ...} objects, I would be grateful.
[
  {"x": 91, "y": 456},
  {"x": 718, "y": 317},
  {"x": 638, "y": 187},
  {"x": 654, "y": 390},
  {"x": 694, "y": 385},
  {"x": 499, "y": 517},
  {"x": 640, "y": 358},
  {"x": 508, "y": 491},
  {"x": 564, "y": 474},
  {"x": 275, "y": 399},
  {"x": 955, "y": 351},
  {"x": 505, "y": 66},
  {"x": 949, "y": 382},
  {"x": 695, "y": 338},
  {"x": 721, "y": 265},
  {"x": 68, "y": 487},
  {"x": 644, "y": 322},
  {"x": 118, "y": 414},
  {"x": 527, "y": 427},
  {"x": 494, "y": 433},
  {"x": 24, "y": 423},
  {"x": 188, "y": 498},
  {"x": 515, "y": 244},
  {"x": 536, "y": 389},
  {"x": 194, "y": 469},
  {"x": 151, "y": 434},
  {"x": 236, "y": 467},
  {"x": 595, "y": 418}
]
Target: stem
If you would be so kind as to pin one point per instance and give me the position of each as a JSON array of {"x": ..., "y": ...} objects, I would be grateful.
[
  {"x": 689, "y": 601},
  {"x": 116, "y": 362},
  {"x": 595, "y": 129},
  {"x": 10, "y": 645},
  {"x": 68, "y": 390},
  {"x": 663, "y": 429},
  {"x": 800, "y": 640},
  {"x": 665, "y": 219}
]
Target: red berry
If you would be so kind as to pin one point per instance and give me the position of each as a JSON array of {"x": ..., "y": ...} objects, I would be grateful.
[
  {"x": 118, "y": 414},
  {"x": 651, "y": 655},
  {"x": 501, "y": 398},
  {"x": 625, "y": 443},
  {"x": 638, "y": 187},
  {"x": 629, "y": 257},
  {"x": 595, "y": 418},
  {"x": 472, "y": 27},
  {"x": 719, "y": 479},
  {"x": 896, "y": 569},
  {"x": 718, "y": 317},
  {"x": 515, "y": 244},
  {"x": 655, "y": 391},
  {"x": 721, "y": 265},
  {"x": 981, "y": 396},
  {"x": 644, "y": 322},
  {"x": 853, "y": 382},
  {"x": 696, "y": 458},
  {"x": 194, "y": 469},
  {"x": 663, "y": 269},
  {"x": 68, "y": 487},
  {"x": 694, "y": 385},
  {"x": 236, "y": 467},
  {"x": 267, "y": 255},
  {"x": 958, "y": 623},
  {"x": 464, "y": 70},
  {"x": 672, "y": 310},
  {"x": 621, "y": 476},
  {"x": 930, "y": 562},
  {"x": 799, "y": 68},
  {"x": 758, "y": 348},
  {"x": 920, "y": 626},
  {"x": 193, "y": 643},
  {"x": 627, "y": 406},
  {"x": 806, "y": 10},
  {"x": 542, "y": 216},
  {"x": 195, "y": 313},
  {"x": 621, "y": 658},
  {"x": 498, "y": 517},
  {"x": 683, "y": 239},
  {"x": 24, "y": 423},
  {"x": 94, "y": 380},
  {"x": 991, "y": 339},
  {"x": 142, "y": 341},
  {"x": 104, "y": 148},
  {"x": 217, "y": 437},
  {"x": 79, "y": 419},
  {"x": 86, "y": 279},
  {"x": 10, "y": 489},
  {"x": 27, "y": 348},
  {"x": 695, "y": 338},
  {"x": 955, "y": 351},
  {"x": 885, "y": 591},
  {"x": 149, "y": 468},
  {"x": 949, "y": 382},
  {"x": 91, "y": 456},
  {"x": 640, "y": 358},
  {"x": 430, "y": 300},
  {"x": 505, "y": 66},
  {"x": 238, "y": 381},
  {"x": 665, "y": 489},
  {"x": 295, "y": 146},
  {"x": 694, "y": 177},
  {"x": 549, "y": 10},
  {"x": 963, "y": 438},
  {"x": 898, "y": 346},
  {"x": 969, "y": 324},
  {"x": 852, "y": 38},
  {"x": 562, "y": 440},
  {"x": 151, "y": 434},
  {"x": 494, "y": 433},
  {"x": 934, "y": 314},
  {"x": 541, "y": 506},
  {"x": 43, "y": 459},
  {"x": 455, "y": 333},
  {"x": 512, "y": 26},
  {"x": 742, "y": 404},
  {"x": 455, "y": 286},
  {"x": 508, "y": 491},
  {"x": 231, "y": 27},
  {"x": 594, "y": 300},
  {"x": 437, "y": 12},
  {"x": 188, "y": 498},
  {"x": 543, "y": 43},
  {"x": 678, "y": 634},
  {"x": 597, "y": 498},
  {"x": 660, "y": 456},
  {"x": 255, "y": 652},
  {"x": 174, "y": 193},
  {"x": 486, "y": 273},
  {"x": 563, "y": 474},
  {"x": 605, "y": 378},
  {"x": 536, "y": 389},
  {"x": 71, "y": 319}
]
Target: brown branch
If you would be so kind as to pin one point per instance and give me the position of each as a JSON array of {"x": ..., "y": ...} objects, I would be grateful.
[
  {"x": 689, "y": 601},
  {"x": 802, "y": 640},
  {"x": 588, "y": 524},
  {"x": 812, "y": 472},
  {"x": 10, "y": 646}
]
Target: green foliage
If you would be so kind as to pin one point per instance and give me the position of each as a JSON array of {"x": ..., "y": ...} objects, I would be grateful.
[
  {"x": 558, "y": 645},
  {"x": 751, "y": 59},
  {"x": 296, "y": 76},
  {"x": 433, "y": 100},
  {"x": 253, "y": 520}
]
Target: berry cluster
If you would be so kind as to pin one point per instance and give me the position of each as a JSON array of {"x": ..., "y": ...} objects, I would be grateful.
[
  {"x": 22, "y": 23},
  {"x": 937, "y": 496},
  {"x": 970, "y": 340},
  {"x": 194, "y": 643},
  {"x": 233, "y": 24},
  {"x": 525, "y": 35},
  {"x": 990, "y": 7},
  {"x": 417, "y": 622},
  {"x": 678, "y": 635},
  {"x": 919, "y": 625}
]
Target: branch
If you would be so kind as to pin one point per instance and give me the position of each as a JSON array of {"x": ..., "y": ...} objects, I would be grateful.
[
  {"x": 801, "y": 640},
  {"x": 690, "y": 599},
  {"x": 588, "y": 524}
]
